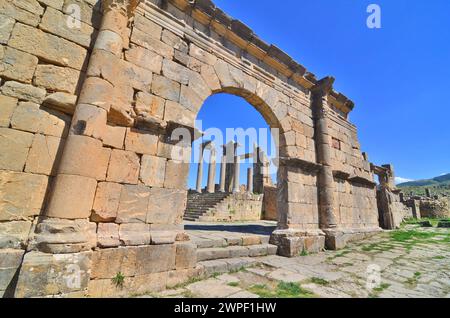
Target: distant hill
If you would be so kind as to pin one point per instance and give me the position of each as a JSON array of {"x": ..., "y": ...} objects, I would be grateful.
[{"x": 438, "y": 185}]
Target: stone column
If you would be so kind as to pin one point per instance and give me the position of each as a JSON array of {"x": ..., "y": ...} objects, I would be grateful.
[
  {"x": 81, "y": 166},
  {"x": 236, "y": 183},
  {"x": 211, "y": 187},
  {"x": 223, "y": 170},
  {"x": 250, "y": 180},
  {"x": 327, "y": 215},
  {"x": 198, "y": 187}
]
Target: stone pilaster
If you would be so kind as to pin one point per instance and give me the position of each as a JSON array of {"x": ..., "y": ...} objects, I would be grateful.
[
  {"x": 75, "y": 184},
  {"x": 327, "y": 215}
]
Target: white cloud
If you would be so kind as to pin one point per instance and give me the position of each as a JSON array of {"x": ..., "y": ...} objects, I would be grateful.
[{"x": 401, "y": 180}]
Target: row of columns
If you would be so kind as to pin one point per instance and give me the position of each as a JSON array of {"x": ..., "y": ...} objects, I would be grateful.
[{"x": 229, "y": 169}]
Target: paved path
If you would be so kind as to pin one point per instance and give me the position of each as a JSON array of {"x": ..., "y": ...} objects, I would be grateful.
[
  {"x": 412, "y": 262},
  {"x": 209, "y": 231}
]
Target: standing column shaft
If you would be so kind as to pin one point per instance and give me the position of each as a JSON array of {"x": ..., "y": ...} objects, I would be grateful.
[
  {"x": 223, "y": 170},
  {"x": 236, "y": 174},
  {"x": 198, "y": 187},
  {"x": 211, "y": 187},
  {"x": 250, "y": 180},
  {"x": 327, "y": 216}
]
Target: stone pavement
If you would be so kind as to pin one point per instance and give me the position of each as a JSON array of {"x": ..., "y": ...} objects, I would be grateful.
[
  {"x": 412, "y": 262},
  {"x": 200, "y": 232}
]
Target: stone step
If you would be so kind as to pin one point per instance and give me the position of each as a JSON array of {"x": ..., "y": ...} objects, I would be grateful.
[
  {"x": 214, "y": 267},
  {"x": 215, "y": 253}
]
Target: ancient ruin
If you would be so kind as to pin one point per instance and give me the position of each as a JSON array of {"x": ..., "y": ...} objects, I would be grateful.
[{"x": 92, "y": 183}]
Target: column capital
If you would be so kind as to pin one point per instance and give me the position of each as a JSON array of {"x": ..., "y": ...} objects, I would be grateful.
[
  {"x": 324, "y": 86},
  {"x": 126, "y": 6}
]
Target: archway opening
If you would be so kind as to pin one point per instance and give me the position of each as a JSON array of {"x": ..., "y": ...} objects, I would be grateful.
[{"x": 235, "y": 134}]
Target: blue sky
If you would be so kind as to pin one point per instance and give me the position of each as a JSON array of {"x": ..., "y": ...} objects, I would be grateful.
[{"x": 397, "y": 75}]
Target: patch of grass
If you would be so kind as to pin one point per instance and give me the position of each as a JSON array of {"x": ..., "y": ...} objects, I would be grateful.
[
  {"x": 118, "y": 280},
  {"x": 440, "y": 257},
  {"x": 304, "y": 253},
  {"x": 320, "y": 281},
  {"x": 382, "y": 287},
  {"x": 413, "y": 280},
  {"x": 282, "y": 290},
  {"x": 241, "y": 269},
  {"x": 188, "y": 282},
  {"x": 341, "y": 253},
  {"x": 233, "y": 284}
]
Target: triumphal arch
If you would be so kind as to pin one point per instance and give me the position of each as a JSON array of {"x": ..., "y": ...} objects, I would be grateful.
[{"x": 91, "y": 181}]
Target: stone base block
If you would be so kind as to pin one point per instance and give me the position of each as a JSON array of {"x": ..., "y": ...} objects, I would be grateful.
[
  {"x": 44, "y": 274},
  {"x": 339, "y": 238},
  {"x": 10, "y": 260},
  {"x": 60, "y": 236},
  {"x": 292, "y": 243}
]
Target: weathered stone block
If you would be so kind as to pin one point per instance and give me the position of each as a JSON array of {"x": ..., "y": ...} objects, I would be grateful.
[
  {"x": 190, "y": 100},
  {"x": 166, "y": 206},
  {"x": 106, "y": 263},
  {"x": 21, "y": 195},
  {"x": 114, "y": 136},
  {"x": 175, "y": 72},
  {"x": 8, "y": 24},
  {"x": 85, "y": 156},
  {"x": 14, "y": 146},
  {"x": 176, "y": 113},
  {"x": 155, "y": 259},
  {"x": 109, "y": 41},
  {"x": 44, "y": 155},
  {"x": 186, "y": 256},
  {"x": 106, "y": 202},
  {"x": 133, "y": 234},
  {"x": 166, "y": 88},
  {"x": 148, "y": 105},
  {"x": 152, "y": 171},
  {"x": 72, "y": 197},
  {"x": 89, "y": 121},
  {"x": 103, "y": 93},
  {"x": 149, "y": 27},
  {"x": 108, "y": 235},
  {"x": 90, "y": 11},
  {"x": 141, "y": 142},
  {"x": 148, "y": 41},
  {"x": 202, "y": 55},
  {"x": 17, "y": 65},
  {"x": 123, "y": 167},
  {"x": 56, "y": 22},
  {"x": 30, "y": 117},
  {"x": 62, "y": 102},
  {"x": 14, "y": 234},
  {"x": 17, "y": 11},
  {"x": 48, "y": 47},
  {"x": 251, "y": 240},
  {"x": 176, "y": 175},
  {"x": 57, "y": 235},
  {"x": 133, "y": 204},
  {"x": 24, "y": 92},
  {"x": 7, "y": 106},
  {"x": 56, "y": 78},
  {"x": 163, "y": 237},
  {"x": 44, "y": 274},
  {"x": 144, "y": 58}
]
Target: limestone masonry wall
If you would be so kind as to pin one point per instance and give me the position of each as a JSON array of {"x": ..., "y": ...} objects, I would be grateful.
[{"x": 89, "y": 174}]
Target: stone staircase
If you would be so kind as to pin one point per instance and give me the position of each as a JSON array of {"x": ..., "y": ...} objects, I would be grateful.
[
  {"x": 217, "y": 256},
  {"x": 199, "y": 204}
]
